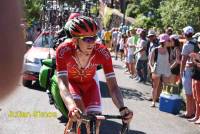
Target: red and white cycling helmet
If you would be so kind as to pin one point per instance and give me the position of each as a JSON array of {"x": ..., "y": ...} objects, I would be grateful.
[
  {"x": 82, "y": 26},
  {"x": 73, "y": 15}
]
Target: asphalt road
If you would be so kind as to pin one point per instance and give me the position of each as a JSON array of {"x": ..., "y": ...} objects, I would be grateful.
[{"x": 27, "y": 111}]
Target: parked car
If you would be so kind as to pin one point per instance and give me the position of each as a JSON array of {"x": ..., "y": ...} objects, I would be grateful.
[{"x": 42, "y": 48}]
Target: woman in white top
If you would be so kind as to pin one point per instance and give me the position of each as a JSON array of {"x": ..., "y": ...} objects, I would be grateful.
[
  {"x": 160, "y": 66},
  {"x": 130, "y": 56}
]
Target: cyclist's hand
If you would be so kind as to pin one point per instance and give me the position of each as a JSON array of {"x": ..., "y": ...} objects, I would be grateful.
[
  {"x": 75, "y": 114},
  {"x": 127, "y": 114}
]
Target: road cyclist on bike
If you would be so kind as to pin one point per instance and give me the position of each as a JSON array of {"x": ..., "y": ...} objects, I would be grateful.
[{"x": 76, "y": 61}]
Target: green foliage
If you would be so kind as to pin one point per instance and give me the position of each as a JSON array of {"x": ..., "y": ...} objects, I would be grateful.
[
  {"x": 145, "y": 13},
  {"x": 70, "y": 2},
  {"x": 132, "y": 10},
  {"x": 143, "y": 21},
  {"x": 163, "y": 13},
  {"x": 32, "y": 10},
  {"x": 180, "y": 13},
  {"x": 94, "y": 10}
]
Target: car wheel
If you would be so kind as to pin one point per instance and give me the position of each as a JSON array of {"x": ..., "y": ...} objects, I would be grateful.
[{"x": 27, "y": 83}]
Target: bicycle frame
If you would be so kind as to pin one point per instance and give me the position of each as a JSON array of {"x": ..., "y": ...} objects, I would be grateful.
[{"x": 93, "y": 118}]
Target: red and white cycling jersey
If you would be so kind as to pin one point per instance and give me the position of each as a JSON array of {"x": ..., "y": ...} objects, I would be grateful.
[{"x": 81, "y": 80}]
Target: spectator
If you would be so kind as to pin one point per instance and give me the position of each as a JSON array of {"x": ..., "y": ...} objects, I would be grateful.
[
  {"x": 169, "y": 31},
  {"x": 160, "y": 66},
  {"x": 141, "y": 64},
  {"x": 122, "y": 45},
  {"x": 131, "y": 44},
  {"x": 152, "y": 40},
  {"x": 175, "y": 58},
  {"x": 107, "y": 39},
  {"x": 196, "y": 84},
  {"x": 119, "y": 36},
  {"x": 186, "y": 70},
  {"x": 37, "y": 33},
  {"x": 151, "y": 44},
  {"x": 114, "y": 38}
]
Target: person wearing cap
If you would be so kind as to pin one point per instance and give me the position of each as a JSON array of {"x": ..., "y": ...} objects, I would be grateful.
[
  {"x": 186, "y": 71},
  {"x": 196, "y": 84},
  {"x": 160, "y": 66},
  {"x": 152, "y": 41},
  {"x": 141, "y": 64},
  {"x": 175, "y": 58}
]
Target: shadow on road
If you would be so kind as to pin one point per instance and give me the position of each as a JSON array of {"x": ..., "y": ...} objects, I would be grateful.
[
  {"x": 62, "y": 119},
  {"x": 36, "y": 86},
  {"x": 127, "y": 93},
  {"x": 107, "y": 127},
  {"x": 111, "y": 127}
]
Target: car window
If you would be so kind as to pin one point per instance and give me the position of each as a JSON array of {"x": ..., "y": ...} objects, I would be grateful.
[{"x": 44, "y": 41}]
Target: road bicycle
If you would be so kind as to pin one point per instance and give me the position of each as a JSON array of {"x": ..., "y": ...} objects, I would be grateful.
[{"x": 91, "y": 119}]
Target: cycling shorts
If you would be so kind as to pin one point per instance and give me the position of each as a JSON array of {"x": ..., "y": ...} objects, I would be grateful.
[{"x": 89, "y": 93}]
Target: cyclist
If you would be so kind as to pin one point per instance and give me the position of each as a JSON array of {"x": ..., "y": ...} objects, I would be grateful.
[{"x": 76, "y": 62}]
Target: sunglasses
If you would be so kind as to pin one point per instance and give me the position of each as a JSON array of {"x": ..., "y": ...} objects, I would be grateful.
[{"x": 89, "y": 39}]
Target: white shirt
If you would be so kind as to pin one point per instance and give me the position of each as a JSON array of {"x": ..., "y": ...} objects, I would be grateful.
[{"x": 131, "y": 47}]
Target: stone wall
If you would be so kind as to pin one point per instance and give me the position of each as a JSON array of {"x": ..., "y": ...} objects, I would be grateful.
[{"x": 117, "y": 18}]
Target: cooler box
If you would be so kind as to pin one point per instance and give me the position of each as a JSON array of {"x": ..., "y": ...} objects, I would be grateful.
[{"x": 170, "y": 103}]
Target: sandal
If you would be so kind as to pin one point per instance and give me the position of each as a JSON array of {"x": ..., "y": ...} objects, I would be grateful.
[{"x": 186, "y": 116}]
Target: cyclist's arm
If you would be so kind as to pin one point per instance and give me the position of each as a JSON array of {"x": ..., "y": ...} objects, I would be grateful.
[
  {"x": 62, "y": 54},
  {"x": 115, "y": 92},
  {"x": 118, "y": 99},
  {"x": 64, "y": 92}
]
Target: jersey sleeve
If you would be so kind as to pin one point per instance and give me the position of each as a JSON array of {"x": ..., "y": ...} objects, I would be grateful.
[
  {"x": 62, "y": 54},
  {"x": 106, "y": 62}
]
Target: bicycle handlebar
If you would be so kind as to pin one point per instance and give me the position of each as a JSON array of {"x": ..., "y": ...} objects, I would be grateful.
[{"x": 92, "y": 117}]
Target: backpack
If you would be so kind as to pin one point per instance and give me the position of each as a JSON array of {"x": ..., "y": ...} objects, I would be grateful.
[{"x": 195, "y": 70}]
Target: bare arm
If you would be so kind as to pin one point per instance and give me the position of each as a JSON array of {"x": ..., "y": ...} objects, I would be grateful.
[
  {"x": 151, "y": 60},
  {"x": 183, "y": 63},
  {"x": 64, "y": 92},
  {"x": 115, "y": 92},
  {"x": 177, "y": 60}
]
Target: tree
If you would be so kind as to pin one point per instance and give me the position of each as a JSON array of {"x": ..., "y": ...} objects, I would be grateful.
[
  {"x": 145, "y": 13},
  {"x": 70, "y": 2},
  {"x": 32, "y": 10},
  {"x": 180, "y": 13}
]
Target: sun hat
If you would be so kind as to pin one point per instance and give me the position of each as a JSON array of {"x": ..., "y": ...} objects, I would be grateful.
[
  {"x": 164, "y": 37},
  {"x": 188, "y": 30},
  {"x": 151, "y": 32}
]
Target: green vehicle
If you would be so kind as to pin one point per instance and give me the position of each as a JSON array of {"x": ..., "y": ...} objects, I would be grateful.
[{"x": 48, "y": 81}]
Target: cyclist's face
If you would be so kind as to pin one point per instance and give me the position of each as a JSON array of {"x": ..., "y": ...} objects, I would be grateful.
[{"x": 86, "y": 44}]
